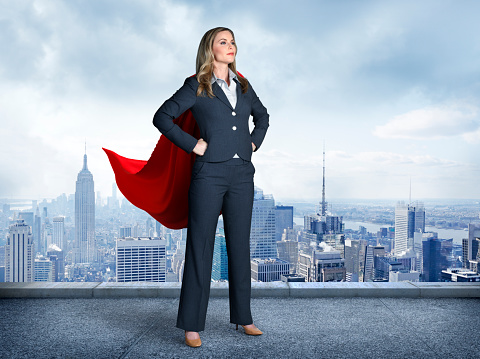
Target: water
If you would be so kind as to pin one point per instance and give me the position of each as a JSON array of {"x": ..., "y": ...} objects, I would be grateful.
[{"x": 456, "y": 234}]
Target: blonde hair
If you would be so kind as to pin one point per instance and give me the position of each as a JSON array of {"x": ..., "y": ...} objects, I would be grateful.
[{"x": 205, "y": 59}]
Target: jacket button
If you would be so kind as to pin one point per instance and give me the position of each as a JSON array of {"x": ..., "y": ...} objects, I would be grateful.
[
  {"x": 234, "y": 128},
  {"x": 233, "y": 113}
]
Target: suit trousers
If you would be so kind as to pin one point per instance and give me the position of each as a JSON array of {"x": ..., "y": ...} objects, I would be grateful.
[{"x": 214, "y": 187}]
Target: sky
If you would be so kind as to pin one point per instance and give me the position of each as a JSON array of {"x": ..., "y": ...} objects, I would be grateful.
[{"x": 392, "y": 88}]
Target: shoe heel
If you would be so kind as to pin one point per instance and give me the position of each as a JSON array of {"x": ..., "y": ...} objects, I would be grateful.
[{"x": 237, "y": 327}]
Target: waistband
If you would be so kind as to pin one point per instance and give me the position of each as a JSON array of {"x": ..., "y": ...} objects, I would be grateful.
[{"x": 237, "y": 161}]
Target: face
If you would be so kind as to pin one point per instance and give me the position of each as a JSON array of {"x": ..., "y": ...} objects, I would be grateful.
[{"x": 224, "y": 48}]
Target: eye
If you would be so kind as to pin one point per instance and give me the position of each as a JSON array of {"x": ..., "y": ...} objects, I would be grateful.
[{"x": 222, "y": 43}]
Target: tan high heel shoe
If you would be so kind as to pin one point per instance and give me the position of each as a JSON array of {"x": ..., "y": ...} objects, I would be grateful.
[
  {"x": 194, "y": 343},
  {"x": 251, "y": 331}
]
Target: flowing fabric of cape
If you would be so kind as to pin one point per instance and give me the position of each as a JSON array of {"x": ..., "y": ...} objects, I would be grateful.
[{"x": 160, "y": 185}]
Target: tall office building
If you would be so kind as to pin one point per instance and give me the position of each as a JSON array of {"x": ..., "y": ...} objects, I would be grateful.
[
  {"x": 37, "y": 231},
  {"x": 125, "y": 232},
  {"x": 160, "y": 230},
  {"x": 288, "y": 251},
  {"x": 431, "y": 260},
  {"x": 2, "y": 264},
  {"x": 85, "y": 245},
  {"x": 178, "y": 259},
  {"x": 58, "y": 237},
  {"x": 6, "y": 209},
  {"x": 262, "y": 233},
  {"x": 141, "y": 260},
  {"x": 471, "y": 247},
  {"x": 57, "y": 257},
  {"x": 47, "y": 234},
  {"x": 283, "y": 220},
  {"x": 98, "y": 201},
  {"x": 112, "y": 202},
  {"x": 408, "y": 220},
  {"x": 19, "y": 253},
  {"x": 322, "y": 225},
  {"x": 28, "y": 218},
  {"x": 220, "y": 258},
  {"x": 418, "y": 249},
  {"x": 352, "y": 260},
  {"x": 372, "y": 270}
]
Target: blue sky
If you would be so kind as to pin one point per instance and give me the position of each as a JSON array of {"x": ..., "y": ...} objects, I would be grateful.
[{"x": 392, "y": 87}]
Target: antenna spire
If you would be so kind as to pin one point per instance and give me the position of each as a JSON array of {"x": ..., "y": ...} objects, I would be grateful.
[
  {"x": 324, "y": 204},
  {"x": 85, "y": 157}
]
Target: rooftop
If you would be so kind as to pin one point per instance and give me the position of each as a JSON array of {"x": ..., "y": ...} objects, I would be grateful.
[{"x": 339, "y": 320}]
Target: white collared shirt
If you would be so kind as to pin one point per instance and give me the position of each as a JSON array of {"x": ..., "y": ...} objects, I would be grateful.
[{"x": 230, "y": 91}]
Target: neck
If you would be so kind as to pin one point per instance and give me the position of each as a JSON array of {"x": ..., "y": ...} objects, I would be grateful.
[{"x": 221, "y": 71}]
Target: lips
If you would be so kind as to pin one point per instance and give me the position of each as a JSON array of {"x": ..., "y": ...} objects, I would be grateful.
[{"x": 231, "y": 53}]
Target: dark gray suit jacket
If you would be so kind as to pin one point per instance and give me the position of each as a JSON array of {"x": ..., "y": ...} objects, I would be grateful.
[{"x": 224, "y": 128}]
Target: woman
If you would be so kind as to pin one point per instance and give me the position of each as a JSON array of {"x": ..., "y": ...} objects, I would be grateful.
[{"x": 222, "y": 177}]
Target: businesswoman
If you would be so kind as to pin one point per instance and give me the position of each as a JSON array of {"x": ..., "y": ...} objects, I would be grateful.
[{"x": 221, "y": 102}]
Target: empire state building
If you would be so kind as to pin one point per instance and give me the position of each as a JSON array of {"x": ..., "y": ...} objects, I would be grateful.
[{"x": 85, "y": 244}]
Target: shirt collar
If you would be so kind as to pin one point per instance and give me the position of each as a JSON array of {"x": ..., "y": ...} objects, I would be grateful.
[{"x": 231, "y": 75}]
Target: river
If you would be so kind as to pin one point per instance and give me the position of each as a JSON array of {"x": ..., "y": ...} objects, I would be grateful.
[{"x": 456, "y": 234}]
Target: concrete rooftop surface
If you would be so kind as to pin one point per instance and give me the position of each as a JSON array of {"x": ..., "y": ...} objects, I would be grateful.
[{"x": 137, "y": 320}]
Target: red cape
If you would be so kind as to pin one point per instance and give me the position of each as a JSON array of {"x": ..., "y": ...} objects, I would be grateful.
[{"x": 160, "y": 185}]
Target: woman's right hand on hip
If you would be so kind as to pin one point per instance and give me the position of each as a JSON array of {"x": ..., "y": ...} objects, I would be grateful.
[{"x": 200, "y": 147}]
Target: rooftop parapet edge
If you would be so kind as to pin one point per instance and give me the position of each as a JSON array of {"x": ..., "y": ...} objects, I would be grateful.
[{"x": 259, "y": 289}]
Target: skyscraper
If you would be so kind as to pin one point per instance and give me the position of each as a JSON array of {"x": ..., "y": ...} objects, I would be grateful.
[
  {"x": 371, "y": 269},
  {"x": 319, "y": 226},
  {"x": 27, "y": 216},
  {"x": 432, "y": 269},
  {"x": 37, "y": 231},
  {"x": 288, "y": 251},
  {"x": 470, "y": 246},
  {"x": 85, "y": 246},
  {"x": 19, "y": 253},
  {"x": 220, "y": 258},
  {"x": 58, "y": 237},
  {"x": 283, "y": 220},
  {"x": 352, "y": 260},
  {"x": 408, "y": 220},
  {"x": 262, "y": 232},
  {"x": 57, "y": 257}
]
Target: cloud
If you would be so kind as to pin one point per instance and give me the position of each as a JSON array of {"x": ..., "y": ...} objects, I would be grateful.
[
  {"x": 118, "y": 50},
  {"x": 366, "y": 174},
  {"x": 432, "y": 123},
  {"x": 99, "y": 70}
]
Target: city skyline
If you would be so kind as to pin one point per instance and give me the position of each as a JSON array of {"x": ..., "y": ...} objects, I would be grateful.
[{"x": 390, "y": 89}]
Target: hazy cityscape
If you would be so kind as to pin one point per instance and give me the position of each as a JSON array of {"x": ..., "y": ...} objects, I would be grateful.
[{"x": 90, "y": 237}]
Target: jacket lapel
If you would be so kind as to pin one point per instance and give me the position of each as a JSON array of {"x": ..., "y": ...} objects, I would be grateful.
[
  {"x": 239, "y": 94},
  {"x": 220, "y": 94},
  {"x": 222, "y": 97}
]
